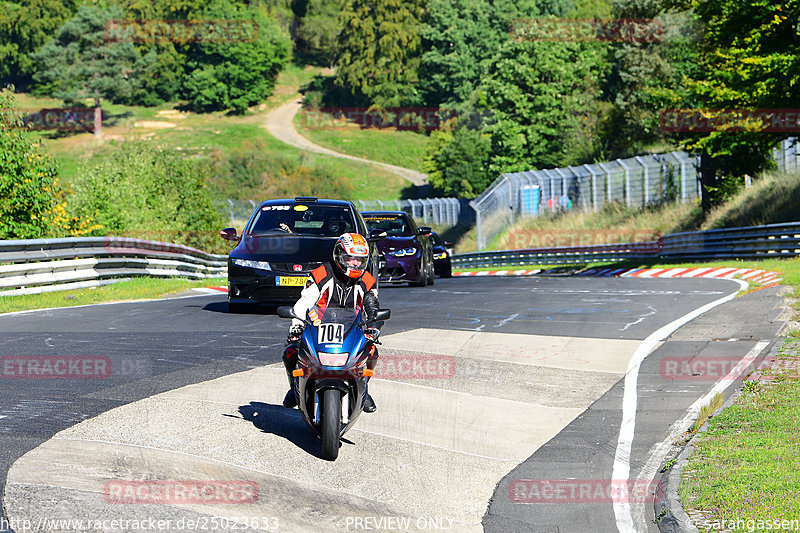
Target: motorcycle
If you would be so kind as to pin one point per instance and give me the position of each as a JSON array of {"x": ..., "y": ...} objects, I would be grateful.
[{"x": 330, "y": 379}]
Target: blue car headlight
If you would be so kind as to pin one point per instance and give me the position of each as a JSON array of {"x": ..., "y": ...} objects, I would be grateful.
[
  {"x": 247, "y": 263},
  {"x": 404, "y": 252}
]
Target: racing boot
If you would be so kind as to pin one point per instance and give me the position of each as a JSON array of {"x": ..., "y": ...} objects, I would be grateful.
[
  {"x": 290, "y": 362},
  {"x": 369, "y": 403}
]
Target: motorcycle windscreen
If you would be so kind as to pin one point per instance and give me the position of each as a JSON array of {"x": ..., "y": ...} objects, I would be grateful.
[{"x": 336, "y": 336}]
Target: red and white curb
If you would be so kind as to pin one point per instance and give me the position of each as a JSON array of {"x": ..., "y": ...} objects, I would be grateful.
[
  {"x": 211, "y": 290},
  {"x": 499, "y": 273},
  {"x": 761, "y": 277}
]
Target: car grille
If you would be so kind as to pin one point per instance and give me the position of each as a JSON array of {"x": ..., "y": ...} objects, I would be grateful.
[{"x": 289, "y": 267}]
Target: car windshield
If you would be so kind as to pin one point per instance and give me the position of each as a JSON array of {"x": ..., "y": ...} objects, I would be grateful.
[
  {"x": 436, "y": 240},
  {"x": 334, "y": 315},
  {"x": 302, "y": 219},
  {"x": 392, "y": 225}
]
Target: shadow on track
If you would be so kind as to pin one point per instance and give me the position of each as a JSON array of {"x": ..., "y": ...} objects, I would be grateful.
[{"x": 283, "y": 422}]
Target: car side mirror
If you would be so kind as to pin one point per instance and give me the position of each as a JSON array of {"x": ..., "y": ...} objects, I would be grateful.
[
  {"x": 229, "y": 234},
  {"x": 424, "y": 230},
  {"x": 382, "y": 314},
  {"x": 377, "y": 235},
  {"x": 285, "y": 311}
]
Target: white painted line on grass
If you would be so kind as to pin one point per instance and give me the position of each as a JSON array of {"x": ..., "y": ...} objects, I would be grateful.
[{"x": 622, "y": 456}]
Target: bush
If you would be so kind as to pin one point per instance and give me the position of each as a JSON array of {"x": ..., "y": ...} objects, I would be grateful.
[
  {"x": 457, "y": 163},
  {"x": 31, "y": 200},
  {"x": 253, "y": 172},
  {"x": 148, "y": 191}
]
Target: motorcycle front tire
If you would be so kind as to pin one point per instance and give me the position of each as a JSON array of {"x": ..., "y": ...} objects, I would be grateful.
[{"x": 331, "y": 423}]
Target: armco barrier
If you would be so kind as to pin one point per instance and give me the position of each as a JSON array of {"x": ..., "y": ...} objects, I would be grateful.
[
  {"x": 43, "y": 265},
  {"x": 753, "y": 242}
]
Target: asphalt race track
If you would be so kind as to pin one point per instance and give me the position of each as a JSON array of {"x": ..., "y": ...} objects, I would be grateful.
[{"x": 493, "y": 390}]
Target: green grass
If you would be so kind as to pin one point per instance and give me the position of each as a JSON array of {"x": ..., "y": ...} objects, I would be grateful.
[
  {"x": 402, "y": 148},
  {"x": 199, "y": 135},
  {"x": 134, "y": 289}
]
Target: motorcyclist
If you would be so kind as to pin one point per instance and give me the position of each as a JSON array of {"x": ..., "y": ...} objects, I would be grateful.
[{"x": 343, "y": 283}]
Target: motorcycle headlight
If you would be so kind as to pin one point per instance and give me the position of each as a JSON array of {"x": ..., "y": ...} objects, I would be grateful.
[
  {"x": 333, "y": 359},
  {"x": 247, "y": 263}
]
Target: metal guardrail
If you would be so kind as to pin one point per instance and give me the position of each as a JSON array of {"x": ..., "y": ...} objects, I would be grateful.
[
  {"x": 44, "y": 265},
  {"x": 752, "y": 242}
]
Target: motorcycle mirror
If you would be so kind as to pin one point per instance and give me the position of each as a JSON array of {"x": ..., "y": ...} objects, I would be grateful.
[
  {"x": 285, "y": 311},
  {"x": 382, "y": 314}
]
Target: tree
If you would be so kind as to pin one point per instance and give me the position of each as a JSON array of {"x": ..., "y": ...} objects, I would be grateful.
[
  {"x": 318, "y": 29},
  {"x": 82, "y": 63},
  {"x": 24, "y": 27},
  {"x": 379, "y": 51},
  {"x": 749, "y": 59},
  {"x": 235, "y": 74},
  {"x": 460, "y": 39},
  {"x": 542, "y": 100},
  {"x": 457, "y": 163}
]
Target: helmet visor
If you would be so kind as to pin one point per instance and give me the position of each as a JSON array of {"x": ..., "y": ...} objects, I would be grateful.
[{"x": 352, "y": 262}]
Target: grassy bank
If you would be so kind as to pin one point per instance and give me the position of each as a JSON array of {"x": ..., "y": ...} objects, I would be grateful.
[
  {"x": 209, "y": 135},
  {"x": 134, "y": 289},
  {"x": 402, "y": 148}
]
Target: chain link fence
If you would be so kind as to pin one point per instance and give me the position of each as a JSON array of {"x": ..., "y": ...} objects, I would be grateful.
[
  {"x": 443, "y": 212},
  {"x": 637, "y": 182}
]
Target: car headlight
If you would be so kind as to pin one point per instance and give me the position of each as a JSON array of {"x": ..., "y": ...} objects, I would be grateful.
[
  {"x": 247, "y": 263},
  {"x": 442, "y": 255},
  {"x": 404, "y": 252}
]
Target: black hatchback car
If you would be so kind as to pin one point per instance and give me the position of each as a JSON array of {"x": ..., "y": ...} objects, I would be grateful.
[{"x": 282, "y": 242}]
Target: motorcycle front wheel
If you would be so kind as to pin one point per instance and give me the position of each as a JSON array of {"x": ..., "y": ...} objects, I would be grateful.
[{"x": 331, "y": 423}]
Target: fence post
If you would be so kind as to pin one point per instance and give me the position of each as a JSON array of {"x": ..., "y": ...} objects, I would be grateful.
[
  {"x": 608, "y": 181},
  {"x": 594, "y": 186},
  {"x": 478, "y": 228},
  {"x": 627, "y": 182},
  {"x": 646, "y": 179}
]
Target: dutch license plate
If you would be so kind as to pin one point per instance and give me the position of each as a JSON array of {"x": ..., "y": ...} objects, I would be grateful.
[{"x": 290, "y": 281}]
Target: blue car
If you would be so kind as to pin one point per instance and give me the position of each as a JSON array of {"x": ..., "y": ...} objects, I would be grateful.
[{"x": 406, "y": 252}]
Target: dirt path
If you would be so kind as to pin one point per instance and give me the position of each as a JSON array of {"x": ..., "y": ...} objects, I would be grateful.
[{"x": 279, "y": 123}]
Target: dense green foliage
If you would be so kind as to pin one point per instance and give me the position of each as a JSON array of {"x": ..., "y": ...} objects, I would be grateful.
[
  {"x": 25, "y": 25},
  {"x": 31, "y": 203},
  {"x": 147, "y": 191},
  {"x": 378, "y": 50},
  {"x": 456, "y": 163},
  {"x": 228, "y": 70},
  {"x": 749, "y": 57},
  {"x": 82, "y": 63}
]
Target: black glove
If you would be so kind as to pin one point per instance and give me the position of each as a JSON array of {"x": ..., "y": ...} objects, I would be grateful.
[
  {"x": 295, "y": 332},
  {"x": 372, "y": 334}
]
